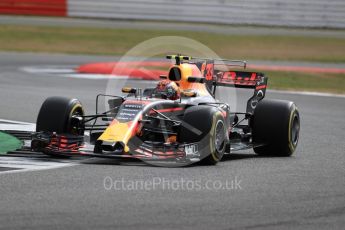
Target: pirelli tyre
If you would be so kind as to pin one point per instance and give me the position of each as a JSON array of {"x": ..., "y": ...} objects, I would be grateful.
[
  {"x": 205, "y": 125},
  {"x": 60, "y": 115},
  {"x": 276, "y": 125}
]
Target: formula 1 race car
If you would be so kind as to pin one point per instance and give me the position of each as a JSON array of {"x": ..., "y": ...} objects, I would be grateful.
[{"x": 180, "y": 120}]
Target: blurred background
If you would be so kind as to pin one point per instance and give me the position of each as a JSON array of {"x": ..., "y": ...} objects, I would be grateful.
[{"x": 299, "y": 43}]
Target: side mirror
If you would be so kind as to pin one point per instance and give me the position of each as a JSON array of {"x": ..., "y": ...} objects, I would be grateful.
[
  {"x": 115, "y": 102},
  {"x": 189, "y": 93},
  {"x": 128, "y": 90},
  {"x": 196, "y": 79}
]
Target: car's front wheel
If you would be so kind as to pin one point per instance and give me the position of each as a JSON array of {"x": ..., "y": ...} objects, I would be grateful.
[
  {"x": 217, "y": 140},
  {"x": 61, "y": 115},
  {"x": 205, "y": 125}
]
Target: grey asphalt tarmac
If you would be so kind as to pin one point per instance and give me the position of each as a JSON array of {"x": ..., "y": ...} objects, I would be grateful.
[{"x": 305, "y": 191}]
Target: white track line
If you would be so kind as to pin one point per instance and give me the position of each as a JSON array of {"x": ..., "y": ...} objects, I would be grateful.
[
  {"x": 95, "y": 76},
  {"x": 19, "y": 165},
  {"x": 48, "y": 69},
  {"x": 25, "y": 164},
  {"x": 307, "y": 93},
  {"x": 16, "y": 122},
  {"x": 16, "y": 125}
]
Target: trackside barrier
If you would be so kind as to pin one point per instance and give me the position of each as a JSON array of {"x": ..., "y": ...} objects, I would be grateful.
[
  {"x": 296, "y": 13},
  {"x": 34, "y": 7}
]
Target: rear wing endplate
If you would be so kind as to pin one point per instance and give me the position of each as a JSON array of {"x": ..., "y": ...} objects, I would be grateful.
[{"x": 243, "y": 79}]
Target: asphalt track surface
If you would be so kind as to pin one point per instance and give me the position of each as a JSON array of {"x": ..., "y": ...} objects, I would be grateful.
[{"x": 305, "y": 191}]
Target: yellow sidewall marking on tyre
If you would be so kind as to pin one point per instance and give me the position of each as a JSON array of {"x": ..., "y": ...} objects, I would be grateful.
[
  {"x": 292, "y": 115},
  {"x": 212, "y": 133},
  {"x": 75, "y": 108}
]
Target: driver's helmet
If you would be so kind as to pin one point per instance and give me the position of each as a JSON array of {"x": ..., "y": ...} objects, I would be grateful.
[{"x": 168, "y": 90}]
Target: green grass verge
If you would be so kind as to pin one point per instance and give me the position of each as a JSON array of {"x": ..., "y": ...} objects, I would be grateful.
[
  {"x": 118, "y": 41},
  {"x": 328, "y": 83},
  {"x": 8, "y": 143}
]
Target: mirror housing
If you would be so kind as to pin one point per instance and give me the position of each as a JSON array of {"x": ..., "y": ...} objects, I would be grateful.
[
  {"x": 196, "y": 79},
  {"x": 189, "y": 93},
  {"x": 128, "y": 90}
]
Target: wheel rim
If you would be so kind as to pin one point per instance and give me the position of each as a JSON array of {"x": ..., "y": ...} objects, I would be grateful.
[
  {"x": 76, "y": 129},
  {"x": 220, "y": 137},
  {"x": 295, "y": 130}
]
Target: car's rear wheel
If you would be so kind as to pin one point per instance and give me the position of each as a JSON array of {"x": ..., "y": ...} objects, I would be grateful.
[
  {"x": 276, "y": 125},
  {"x": 61, "y": 115}
]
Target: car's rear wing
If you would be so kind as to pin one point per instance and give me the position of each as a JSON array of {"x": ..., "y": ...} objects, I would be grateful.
[
  {"x": 242, "y": 79},
  {"x": 239, "y": 79},
  {"x": 219, "y": 73}
]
